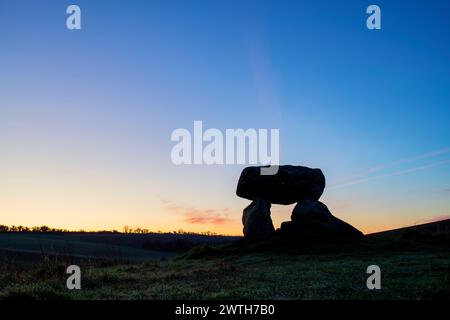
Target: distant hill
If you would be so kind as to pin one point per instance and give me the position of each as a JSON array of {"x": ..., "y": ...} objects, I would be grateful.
[{"x": 434, "y": 229}]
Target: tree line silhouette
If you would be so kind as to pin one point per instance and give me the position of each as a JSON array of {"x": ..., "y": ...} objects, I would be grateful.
[{"x": 126, "y": 230}]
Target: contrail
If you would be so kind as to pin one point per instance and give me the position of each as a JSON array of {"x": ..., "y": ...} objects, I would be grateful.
[
  {"x": 410, "y": 159},
  {"x": 358, "y": 181},
  {"x": 387, "y": 165}
]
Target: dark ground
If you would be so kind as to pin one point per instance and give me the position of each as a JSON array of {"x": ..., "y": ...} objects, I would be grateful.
[{"x": 415, "y": 264}]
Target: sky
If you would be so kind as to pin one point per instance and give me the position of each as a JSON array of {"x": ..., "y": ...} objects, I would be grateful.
[{"x": 86, "y": 115}]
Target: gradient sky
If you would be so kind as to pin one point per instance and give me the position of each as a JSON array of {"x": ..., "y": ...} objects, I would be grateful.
[{"x": 86, "y": 116}]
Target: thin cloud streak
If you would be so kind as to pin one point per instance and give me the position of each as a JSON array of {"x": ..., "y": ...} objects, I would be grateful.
[
  {"x": 206, "y": 217},
  {"x": 410, "y": 159},
  {"x": 434, "y": 219},
  {"x": 359, "y": 181},
  {"x": 193, "y": 215},
  {"x": 387, "y": 165}
]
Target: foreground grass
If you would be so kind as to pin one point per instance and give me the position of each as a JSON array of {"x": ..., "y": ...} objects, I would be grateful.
[{"x": 422, "y": 273}]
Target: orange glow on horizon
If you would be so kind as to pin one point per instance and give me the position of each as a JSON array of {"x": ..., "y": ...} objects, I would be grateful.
[{"x": 230, "y": 230}]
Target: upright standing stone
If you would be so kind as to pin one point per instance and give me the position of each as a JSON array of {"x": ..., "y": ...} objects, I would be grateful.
[{"x": 257, "y": 221}]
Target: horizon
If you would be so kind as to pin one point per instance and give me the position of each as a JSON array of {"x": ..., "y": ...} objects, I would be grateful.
[
  {"x": 124, "y": 230},
  {"x": 86, "y": 116},
  {"x": 143, "y": 230}
]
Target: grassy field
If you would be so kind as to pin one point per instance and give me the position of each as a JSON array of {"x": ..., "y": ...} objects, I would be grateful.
[
  {"x": 30, "y": 248},
  {"x": 414, "y": 265},
  {"x": 85, "y": 247}
]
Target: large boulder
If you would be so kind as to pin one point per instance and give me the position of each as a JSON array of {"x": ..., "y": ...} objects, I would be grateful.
[
  {"x": 289, "y": 185},
  {"x": 257, "y": 221},
  {"x": 312, "y": 221}
]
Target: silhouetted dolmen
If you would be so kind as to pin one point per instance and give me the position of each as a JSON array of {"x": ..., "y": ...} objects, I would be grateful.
[{"x": 311, "y": 221}]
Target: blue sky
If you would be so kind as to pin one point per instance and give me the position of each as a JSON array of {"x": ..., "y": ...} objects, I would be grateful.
[{"x": 86, "y": 116}]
